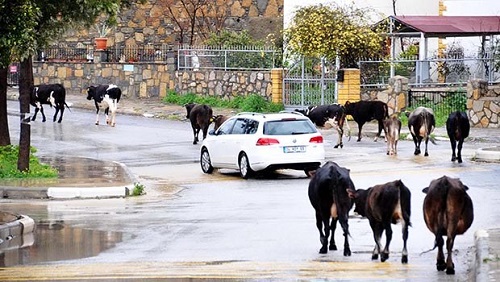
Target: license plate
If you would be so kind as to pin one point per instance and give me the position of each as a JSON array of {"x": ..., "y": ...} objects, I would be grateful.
[{"x": 294, "y": 149}]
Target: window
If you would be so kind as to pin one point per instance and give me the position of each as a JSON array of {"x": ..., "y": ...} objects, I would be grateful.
[
  {"x": 226, "y": 127},
  {"x": 245, "y": 126},
  {"x": 288, "y": 127}
]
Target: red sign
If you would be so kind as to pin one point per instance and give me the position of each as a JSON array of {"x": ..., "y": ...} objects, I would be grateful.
[{"x": 13, "y": 68}]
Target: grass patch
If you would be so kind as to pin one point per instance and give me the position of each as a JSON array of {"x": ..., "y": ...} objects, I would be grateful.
[
  {"x": 8, "y": 165},
  {"x": 138, "y": 190},
  {"x": 250, "y": 103}
]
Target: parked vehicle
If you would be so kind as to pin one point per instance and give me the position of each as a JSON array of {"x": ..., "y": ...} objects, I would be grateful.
[{"x": 252, "y": 142}]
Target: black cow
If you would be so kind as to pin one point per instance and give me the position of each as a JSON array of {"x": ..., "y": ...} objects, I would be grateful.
[
  {"x": 52, "y": 94},
  {"x": 392, "y": 130},
  {"x": 458, "y": 128},
  {"x": 382, "y": 205},
  {"x": 328, "y": 195},
  {"x": 328, "y": 116},
  {"x": 448, "y": 211},
  {"x": 106, "y": 96},
  {"x": 365, "y": 111},
  {"x": 200, "y": 117},
  {"x": 421, "y": 123}
]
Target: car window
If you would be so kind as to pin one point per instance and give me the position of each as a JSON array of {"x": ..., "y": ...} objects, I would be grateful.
[
  {"x": 288, "y": 127},
  {"x": 226, "y": 127},
  {"x": 245, "y": 126}
]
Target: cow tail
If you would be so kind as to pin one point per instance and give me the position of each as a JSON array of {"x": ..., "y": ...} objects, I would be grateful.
[
  {"x": 405, "y": 198},
  {"x": 348, "y": 127},
  {"x": 67, "y": 106},
  {"x": 386, "y": 111}
]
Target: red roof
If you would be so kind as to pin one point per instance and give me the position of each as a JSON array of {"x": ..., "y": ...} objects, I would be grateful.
[{"x": 452, "y": 26}]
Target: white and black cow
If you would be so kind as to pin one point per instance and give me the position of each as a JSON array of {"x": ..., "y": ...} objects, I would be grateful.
[
  {"x": 52, "y": 94},
  {"x": 365, "y": 111},
  {"x": 458, "y": 128},
  {"x": 329, "y": 197},
  {"x": 448, "y": 211},
  {"x": 421, "y": 123},
  {"x": 328, "y": 116},
  {"x": 384, "y": 205},
  {"x": 107, "y": 97}
]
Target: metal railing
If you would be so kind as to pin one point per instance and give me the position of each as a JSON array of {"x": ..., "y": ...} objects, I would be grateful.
[
  {"x": 431, "y": 72},
  {"x": 443, "y": 102},
  {"x": 234, "y": 58}
]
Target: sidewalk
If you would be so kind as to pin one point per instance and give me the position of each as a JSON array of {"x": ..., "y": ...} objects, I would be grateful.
[{"x": 487, "y": 242}]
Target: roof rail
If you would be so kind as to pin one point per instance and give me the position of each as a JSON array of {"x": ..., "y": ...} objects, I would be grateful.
[{"x": 249, "y": 113}]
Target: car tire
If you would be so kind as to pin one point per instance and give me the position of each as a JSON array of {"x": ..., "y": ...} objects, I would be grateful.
[
  {"x": 245, "y": 170},
  {"x": 206, "y": 165}
]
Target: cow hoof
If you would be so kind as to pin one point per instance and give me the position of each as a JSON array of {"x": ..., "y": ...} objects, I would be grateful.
[
  {"x": 336, "y": 146},
  {"x": 113, "y": 125},
  {"x": 375, "y": 257},
  {"x": 323, "y": 250},
  {"x": 194, "y": 142},
  {"x": 440, "y": 265},
  {"x": 459, "y": 161},
  {"x": 358, "y": 140},
  {"x": 453, "y": 159},
  {"x": 388, "y": 153},
  {"x": 426, "y": 154},
  {"x": 417, "y": 152},
  {"x": 384, "y": 257},
  {"x": 450, "y": 271},
  {"x": 347, "y": 253},
  {"x": 404, "y": 259},
  {"x": 333, "y": 247}
]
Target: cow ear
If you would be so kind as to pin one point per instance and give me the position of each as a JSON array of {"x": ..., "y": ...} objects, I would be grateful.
[
  {"x": 351, "y": 193},
  {"x": 466, "y": 188},
  {"x": 425, "y": 190}
]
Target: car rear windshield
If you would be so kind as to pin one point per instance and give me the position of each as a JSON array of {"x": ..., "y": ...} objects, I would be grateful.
[{"x": 289, "y": 127}]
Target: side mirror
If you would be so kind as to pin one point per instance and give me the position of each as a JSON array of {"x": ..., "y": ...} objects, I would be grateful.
[{"x": 211, "y": 132}]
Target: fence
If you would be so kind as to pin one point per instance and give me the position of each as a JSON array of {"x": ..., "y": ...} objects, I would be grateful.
[
  {"x": 234, "y": 58},
  {"x": 13, "y": 74},
  {"x": 443, "y": 102},
  {"x": 432, "y": 72}
]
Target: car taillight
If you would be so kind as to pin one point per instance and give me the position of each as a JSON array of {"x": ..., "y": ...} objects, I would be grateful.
[
  {"x": 266, "y": 141},
  {"x": 316, "y": 139}
]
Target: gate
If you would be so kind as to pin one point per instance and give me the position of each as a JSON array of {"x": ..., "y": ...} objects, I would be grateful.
[
  {"x": 442, "y": 102},
  {"x": 313, "y": 85},
  {"x": 13, "y": 74}
]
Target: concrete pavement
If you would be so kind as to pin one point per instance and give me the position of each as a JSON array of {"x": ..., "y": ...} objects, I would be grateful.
[{"x": 487, "y": 242}]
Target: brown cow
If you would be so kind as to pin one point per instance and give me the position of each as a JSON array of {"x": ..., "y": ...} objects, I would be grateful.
[
  {"x": 392, "y": 129},
  {"x": 448, "y": 211},
  {"x": 382, "y": 205},
  {"x": 218, "y": 120}
]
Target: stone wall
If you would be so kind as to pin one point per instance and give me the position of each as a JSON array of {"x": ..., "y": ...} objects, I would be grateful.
[
  {"x": 225, "y": 84},
  {"x": 483, "y": 104},
  {"x": 394, "y": 95},
  {"x": 148, "y": 23}
]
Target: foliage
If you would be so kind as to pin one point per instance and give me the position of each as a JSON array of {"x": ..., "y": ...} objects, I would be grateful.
[
  {"x": 139, "y": 189},
  {"x": 329, "y": 30},
  {"x": 250, "y": 103},
  {"x": 459, "y": 68},
  {"x": 8, "y": 165}
]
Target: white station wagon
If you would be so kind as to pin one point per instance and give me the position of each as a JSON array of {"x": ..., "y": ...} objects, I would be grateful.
[{"x": 251, "y": 142}]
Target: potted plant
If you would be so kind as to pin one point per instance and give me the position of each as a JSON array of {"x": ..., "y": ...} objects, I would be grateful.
[{"x": 102, "y": 29}]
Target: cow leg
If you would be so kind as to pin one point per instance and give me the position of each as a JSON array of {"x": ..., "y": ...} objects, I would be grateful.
[
  {"x": 459, "y": 152},
  {"x": 36, "y": 112},
  {"x": 43, "y": 114},
  {"x": 380, "y": 128},
  {"x": 377, "y": 234},
  {"x": 417, "y": 141},
  {"x": 58, "y": 109},
  {"x": 323, "y": 236},
  {"x": 340, "y": 132},
  {"x": 345, "y": 228},
  {"x": 96, "y": 113},
  {"x": 395, "y": 144},
  {"x": 388, "y": 237},
  {"x": 450, "y": 266},
  {"x": 360, "y": 125},
  {"x": 333, "y": 226},
  {"x": 426, "y": 141},
  {"x": 106, "y": 113},
  {"x": 205, "y": 130},
  {"x": 453, "y": 147},
  {"x": 440, "y": 264},
  {"x": 195, "y": 134},
  {"x": 404, "y": 258}
]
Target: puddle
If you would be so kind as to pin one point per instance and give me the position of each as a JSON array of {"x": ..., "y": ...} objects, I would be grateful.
[{"x": 56, "y": 241}]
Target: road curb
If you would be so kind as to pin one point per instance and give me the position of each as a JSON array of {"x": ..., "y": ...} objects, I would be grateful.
[
  {"x": 488, "y": 154},
  {"x": 482, "y": 252},
  {"x": 16, "y": 233}
]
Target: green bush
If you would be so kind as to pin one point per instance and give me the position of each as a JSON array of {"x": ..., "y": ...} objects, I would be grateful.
[
  {"x": 8, "y": 165},
  {"x": 250, "y": 103}
]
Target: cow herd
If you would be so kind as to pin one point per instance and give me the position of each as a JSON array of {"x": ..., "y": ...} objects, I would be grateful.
[
  {"x": 105, "y": 96},
  {"x": 447, "y": 210}
]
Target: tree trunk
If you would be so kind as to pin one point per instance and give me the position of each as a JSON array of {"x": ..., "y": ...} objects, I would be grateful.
[
  {"x": 4, "y": 124},
  {"x": 25, "y": 86}
]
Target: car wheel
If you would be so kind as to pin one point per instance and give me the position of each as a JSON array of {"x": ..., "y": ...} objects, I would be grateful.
[
  {"x": 245, "y": 170},
  {"x": 205, "y": 163}
]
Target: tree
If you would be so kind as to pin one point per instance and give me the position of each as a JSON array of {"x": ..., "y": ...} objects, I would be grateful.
[
  {"x": 330, "y": 31},
  {"x": 48, "y": 19}
]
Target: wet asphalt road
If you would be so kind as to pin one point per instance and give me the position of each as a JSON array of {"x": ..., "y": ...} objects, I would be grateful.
[{"x": 191, "y": 225}]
